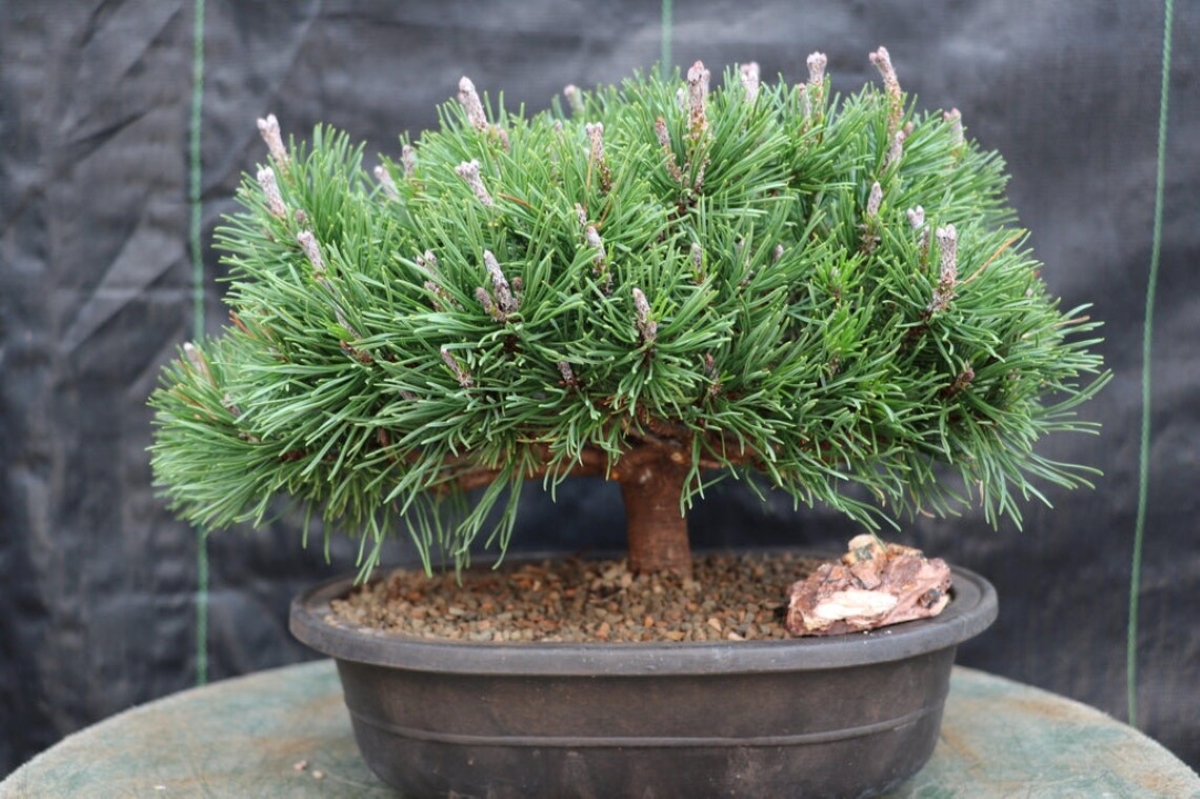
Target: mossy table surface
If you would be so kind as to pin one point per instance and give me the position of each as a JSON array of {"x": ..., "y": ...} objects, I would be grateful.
[{"x": 285, "y": 732}]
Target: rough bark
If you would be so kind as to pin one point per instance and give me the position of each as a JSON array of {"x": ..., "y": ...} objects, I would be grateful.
[
  {"x": 873, "y": 585},
  {"x": 655, "y": 525},
  {"x": 652, "y": 474}
]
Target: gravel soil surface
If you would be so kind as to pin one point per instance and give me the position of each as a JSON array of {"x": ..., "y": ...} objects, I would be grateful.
[{"x": 730, "y": 597}]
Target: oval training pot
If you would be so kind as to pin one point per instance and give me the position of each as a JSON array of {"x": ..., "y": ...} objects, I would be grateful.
[{"x": 844, "y": 716}]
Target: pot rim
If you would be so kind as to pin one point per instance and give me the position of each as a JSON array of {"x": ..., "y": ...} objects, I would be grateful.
[{"x": 972, "y": 610}]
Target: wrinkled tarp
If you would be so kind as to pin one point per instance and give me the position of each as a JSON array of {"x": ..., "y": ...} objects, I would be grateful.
[{"x": 98, "y": 583}]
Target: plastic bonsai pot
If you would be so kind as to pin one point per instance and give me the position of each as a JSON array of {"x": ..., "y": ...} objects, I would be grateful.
[{"x": 843, "y": 716}]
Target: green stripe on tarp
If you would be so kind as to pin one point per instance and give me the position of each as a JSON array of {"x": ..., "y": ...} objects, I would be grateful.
[
  {"x": 1139, "y": 533},
  {"x": 198, "y": 309}
]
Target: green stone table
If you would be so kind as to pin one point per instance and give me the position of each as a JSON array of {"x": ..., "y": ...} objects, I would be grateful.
[{"x": 286, "y": 732}]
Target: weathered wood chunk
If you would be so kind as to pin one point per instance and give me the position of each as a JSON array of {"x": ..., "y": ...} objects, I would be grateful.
[{"x": 873, "y": 585}]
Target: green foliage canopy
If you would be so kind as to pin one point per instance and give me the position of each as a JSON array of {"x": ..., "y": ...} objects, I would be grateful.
[{"x": 823, "y": 292}]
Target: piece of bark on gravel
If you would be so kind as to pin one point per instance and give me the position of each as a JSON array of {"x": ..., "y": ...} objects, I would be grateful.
[{"x": 873, "y": 585}]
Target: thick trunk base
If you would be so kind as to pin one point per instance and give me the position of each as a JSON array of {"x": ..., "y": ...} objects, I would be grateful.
[{"x": 656, "y": 527}]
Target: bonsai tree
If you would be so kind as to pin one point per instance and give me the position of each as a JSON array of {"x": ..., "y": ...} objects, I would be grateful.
[{"x": 656, "y": 284}]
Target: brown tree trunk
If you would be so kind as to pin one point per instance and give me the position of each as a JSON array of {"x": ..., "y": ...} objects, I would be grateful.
[{"x": 656, "y": 527}]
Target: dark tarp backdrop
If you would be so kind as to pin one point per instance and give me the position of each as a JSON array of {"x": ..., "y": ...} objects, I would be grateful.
[{"x": 99, "y": 585}]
